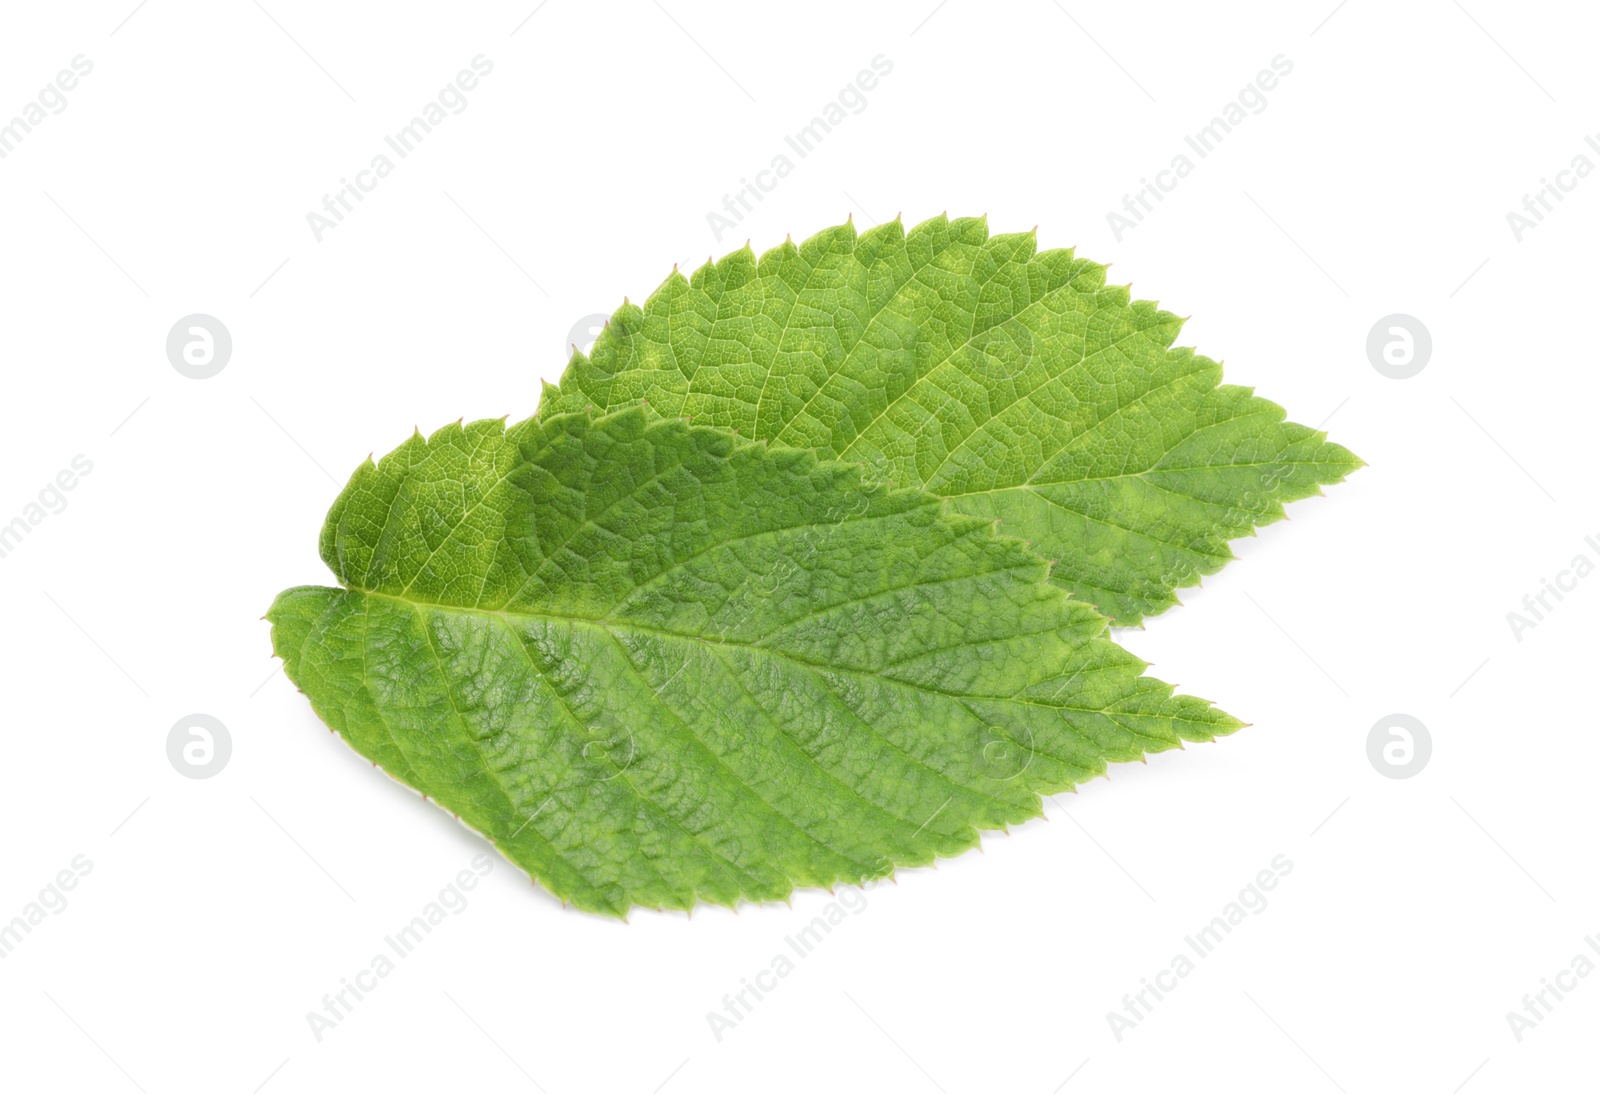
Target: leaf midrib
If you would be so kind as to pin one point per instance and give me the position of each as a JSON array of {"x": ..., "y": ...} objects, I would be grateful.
[
  {"x": 611, "y": 627},
  {"x": 609, "y": 630}
]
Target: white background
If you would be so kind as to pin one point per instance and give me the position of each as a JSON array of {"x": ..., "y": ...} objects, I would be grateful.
[{"x": 218, "y": 912}]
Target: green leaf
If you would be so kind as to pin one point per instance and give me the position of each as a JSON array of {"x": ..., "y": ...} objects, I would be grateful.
[
  {"x": 657, "y": 664},
  {"x": 1016, "y": 384}
]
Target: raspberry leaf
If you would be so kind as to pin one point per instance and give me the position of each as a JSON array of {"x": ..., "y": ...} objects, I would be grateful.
[
  {"x": 657, "y": 664},
  {"x": 1015, "y": 383}
]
